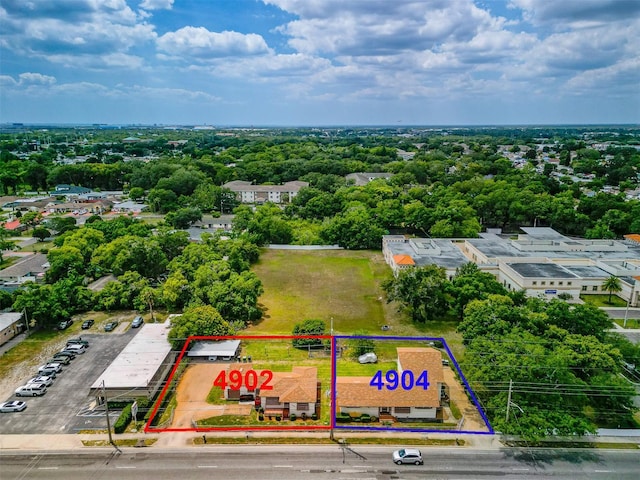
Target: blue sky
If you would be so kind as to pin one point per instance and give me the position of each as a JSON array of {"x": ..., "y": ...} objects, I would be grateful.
[{"x": 320, "y": 62}]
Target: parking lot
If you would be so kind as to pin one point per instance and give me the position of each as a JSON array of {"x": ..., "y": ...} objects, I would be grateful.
[{"x": 64, "y": 408}]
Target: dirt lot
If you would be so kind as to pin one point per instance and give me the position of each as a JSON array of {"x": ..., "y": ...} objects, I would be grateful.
[
  {"x": 192, "y": 394},
  {"x": 472, "y": 419}
]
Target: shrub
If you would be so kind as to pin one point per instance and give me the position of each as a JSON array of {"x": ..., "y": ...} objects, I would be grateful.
[
  {"x": 123, "y": 420},
  {"x": 365, "y": 418},
  {"x": 292, "y": 417},
  {"x": 343, "y": 418},
  {"x": 314, "y": 416}
]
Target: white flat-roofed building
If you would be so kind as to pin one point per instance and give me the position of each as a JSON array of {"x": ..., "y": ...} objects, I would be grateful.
[
  {"x": 11, "y": 324},
  {"x": 214, "y": 350},
  {"x": 141, "y": 367},
  {"x": 541, "y": 261}
]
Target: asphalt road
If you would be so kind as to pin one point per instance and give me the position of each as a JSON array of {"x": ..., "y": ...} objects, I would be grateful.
[
  {"x": 319, "y": 463},
  {"x": 61, "y": 409}
]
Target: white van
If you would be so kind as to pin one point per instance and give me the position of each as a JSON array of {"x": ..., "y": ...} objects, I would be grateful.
[
  {"x": 75, "y": 348},
  {"x": 31, "y": 390}
]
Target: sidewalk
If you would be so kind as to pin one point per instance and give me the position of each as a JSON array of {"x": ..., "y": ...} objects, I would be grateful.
[{"x": 185, "y": 440}]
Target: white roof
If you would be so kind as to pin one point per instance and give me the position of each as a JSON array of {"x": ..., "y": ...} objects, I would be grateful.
[
  {"x": 139, "y": 360},
  {"x": 8, "y": 319},
  {"x": 223, "y": 348}
]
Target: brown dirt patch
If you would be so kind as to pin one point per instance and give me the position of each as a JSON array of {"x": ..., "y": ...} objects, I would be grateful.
[
  {"x": 192, "y": 392},
  {"x": 472, "y": 419}
]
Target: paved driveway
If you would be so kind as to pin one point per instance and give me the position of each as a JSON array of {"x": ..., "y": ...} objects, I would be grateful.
[{"x": 58, "y": 410}]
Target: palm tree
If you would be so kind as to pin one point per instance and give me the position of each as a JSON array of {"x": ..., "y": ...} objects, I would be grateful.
[{"x": 612, "y": 284}]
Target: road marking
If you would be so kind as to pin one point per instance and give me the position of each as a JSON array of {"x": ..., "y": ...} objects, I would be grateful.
[
  {"x": 283, "y": 466},
  {"x": 124, "y": 466},
  {"x": 521, "y": 469},
  {"x": 603, "y": 471},
  {"x": 207, "y": 466},
  {"x": 48, "y": 468}
]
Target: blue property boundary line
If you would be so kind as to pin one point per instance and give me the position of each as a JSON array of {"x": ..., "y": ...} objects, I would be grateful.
[{"x": 391, "y": 429}]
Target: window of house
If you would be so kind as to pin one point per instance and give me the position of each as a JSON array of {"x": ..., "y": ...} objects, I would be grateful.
[
  {"x": 402, "y": 409},
  {"x": 568, "y": 283},
  {"x": 551, "y": 283},
  {"x": 535, "y": 283},
  {"x": 272, "y": 401},
  {"x": 303, "y": 406},
  {"x": 584, "y": 288},
  {"x": 543, "y": 283},
  {"x": 595, "y": 288},
  {"x": 559, "y": 283}
]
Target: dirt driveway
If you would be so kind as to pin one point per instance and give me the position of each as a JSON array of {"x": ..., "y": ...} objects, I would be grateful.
[
  {"x": 472, "y": 419},
  {"x": 192, "y": 392}
]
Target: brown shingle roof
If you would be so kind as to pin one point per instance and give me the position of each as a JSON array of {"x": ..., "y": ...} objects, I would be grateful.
[
  {"x": 357, "y": 391},
  {"x": 299, "y": 385}
]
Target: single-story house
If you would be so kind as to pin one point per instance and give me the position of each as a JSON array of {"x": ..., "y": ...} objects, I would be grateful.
[
  {"x": 294, "y": 392},
  {"x": 30, "y": 269},
  {"x": 128, "y": 207},
  {"x": 11, "y": 324},
  {"x": 360, "y": 179},
  {"x": 212, "y": 350},
  {"x": 357, "y": 395}
]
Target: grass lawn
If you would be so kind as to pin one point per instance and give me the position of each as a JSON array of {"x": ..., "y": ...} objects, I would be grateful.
[
  {"x": 321, "y": 284},
  {"x": 602, "y": 300},
  {"x": 631, "y": 322},
  {"x": 339, "y": 284}
]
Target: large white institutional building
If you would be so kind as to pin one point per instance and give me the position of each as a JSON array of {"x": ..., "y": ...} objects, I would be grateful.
[{"x": 542, "y": 261}]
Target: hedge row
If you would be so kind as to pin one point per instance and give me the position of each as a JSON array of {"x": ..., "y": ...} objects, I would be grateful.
[{"x": 123, "y": 420}]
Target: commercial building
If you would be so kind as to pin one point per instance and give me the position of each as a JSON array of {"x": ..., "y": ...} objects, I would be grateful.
[
  {"x": 541, "y": 260},
  {"x": 11, "y": 324},
  {"x": 141, "y": 367}
]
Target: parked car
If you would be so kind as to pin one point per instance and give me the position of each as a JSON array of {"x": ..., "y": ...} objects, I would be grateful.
[
  {"x": 111, "y": 326},
  {"x": 88, "y": 324},
  {"x": 66, "y": 354},
  {"x": 31, "y": 390},
  {"x": 64, "y": 360},
  {"x": 13, "y": 406},
  {"x": 63, "y": 325},
  {"x": 78, "y": 341},
  {"x": 48, "y": 381},
  {"x": 55, "y": 367},
  {"x": 137, "y": 322},
  {"x": 408, "y": 455},
  {"x": 368, "y": 358},
  {"x": 75, "y": 348}
]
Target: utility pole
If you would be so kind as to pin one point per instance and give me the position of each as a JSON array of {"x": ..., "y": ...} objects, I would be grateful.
[
  {"x": 26, "y": 320},
  {"x": 106, "y": 406},
  {"x": 509, "y": 400}
]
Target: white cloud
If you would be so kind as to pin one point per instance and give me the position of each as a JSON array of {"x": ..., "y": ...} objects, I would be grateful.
[
  {"x": 201, "y": 43},
  {"x": 58, "y": 30},
  {"x": 576, "y": 13},
  {"x": 157, "y": 4},
  {"x": 36, "y": 78}
]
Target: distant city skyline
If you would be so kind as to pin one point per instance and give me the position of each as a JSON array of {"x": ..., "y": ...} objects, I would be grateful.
[{"x": 320, "y": 62}]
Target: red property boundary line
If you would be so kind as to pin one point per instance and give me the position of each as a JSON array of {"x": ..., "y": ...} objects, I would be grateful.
[{"x": 149, "y": 429}]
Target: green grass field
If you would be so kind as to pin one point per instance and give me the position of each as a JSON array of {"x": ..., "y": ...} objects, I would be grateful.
[
  {"x": 339, "y": 284},
  {"x": 602, "y": 300}
]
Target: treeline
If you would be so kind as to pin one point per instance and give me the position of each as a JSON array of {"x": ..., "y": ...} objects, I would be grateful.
[
  {"x": 558, "y": 364},
  {"x": 160, "y": 269}
]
